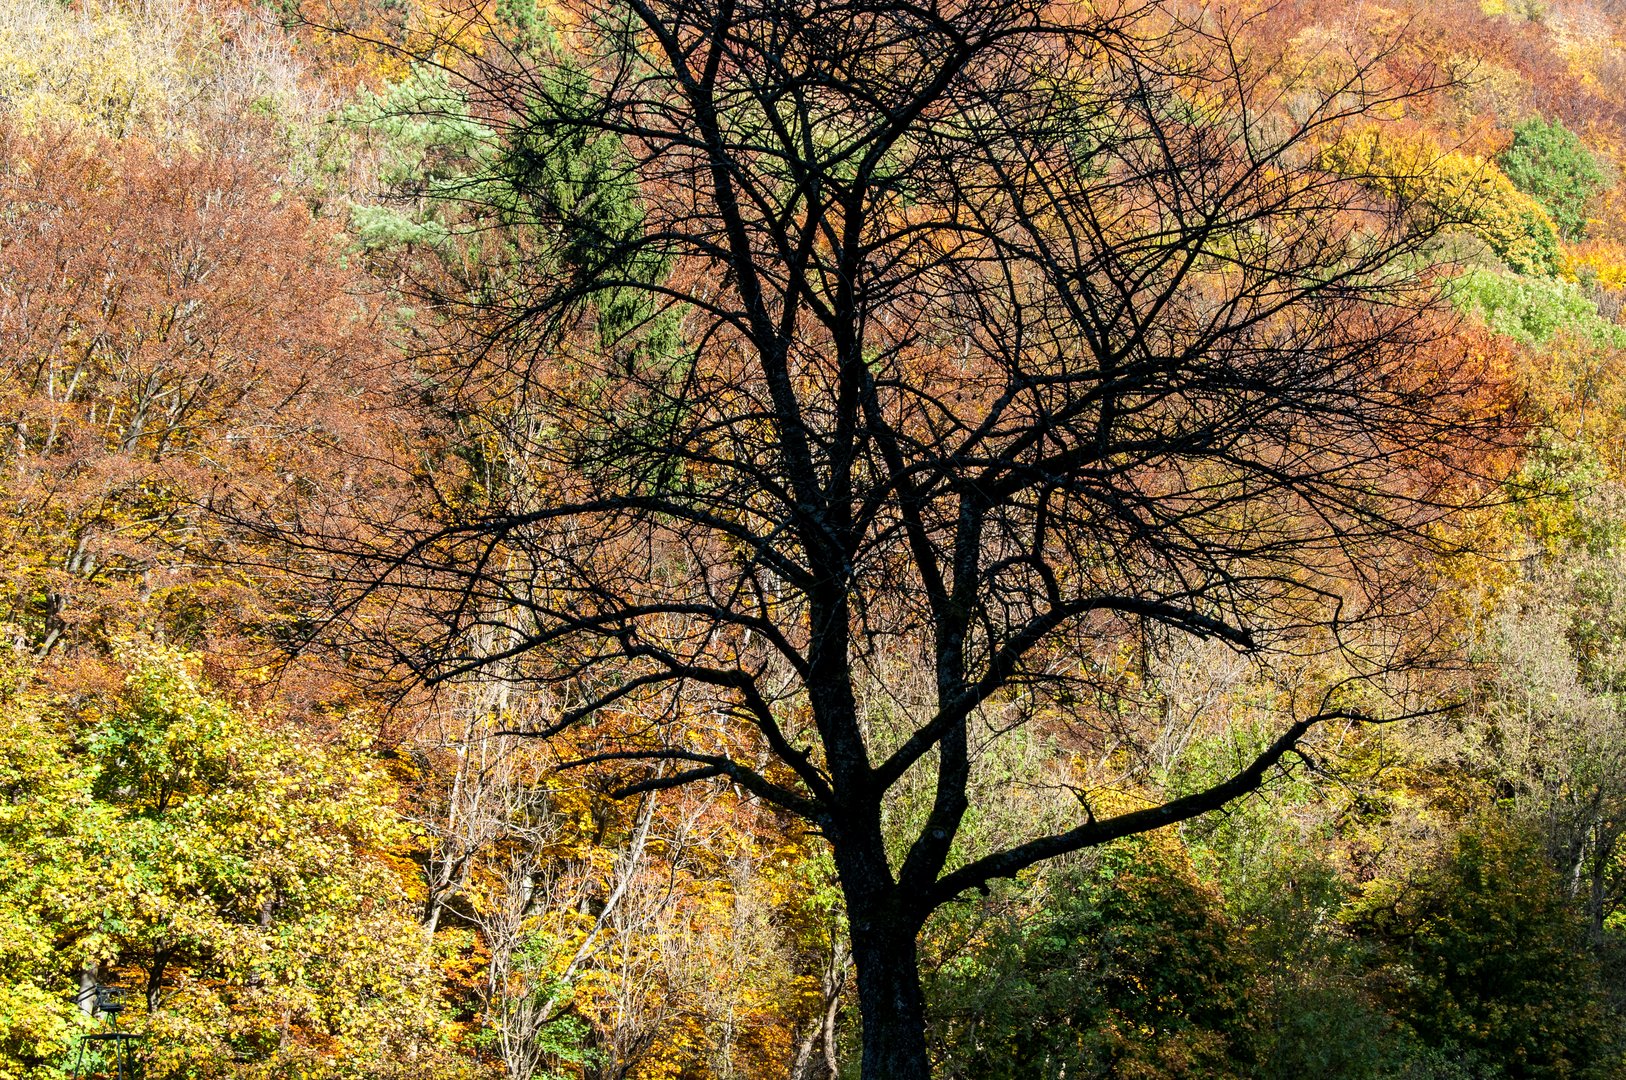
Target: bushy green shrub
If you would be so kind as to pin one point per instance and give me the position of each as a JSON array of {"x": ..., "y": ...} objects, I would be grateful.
[
  {"x": 1483, "y": 958},
  {"x": 1533, "y": 310},
  {"x": 1549, "y": 162},
  {"x": 1124, "y": 968}
]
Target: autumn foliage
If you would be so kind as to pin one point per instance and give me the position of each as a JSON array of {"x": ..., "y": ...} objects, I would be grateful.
[{"x": 332, "y": 739}]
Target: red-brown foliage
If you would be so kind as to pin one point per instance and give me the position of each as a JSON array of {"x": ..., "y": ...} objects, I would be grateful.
[{"x": 164, "y": 324}]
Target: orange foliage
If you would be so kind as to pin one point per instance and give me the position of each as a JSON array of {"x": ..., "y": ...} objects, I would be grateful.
[{"x": 163, "y": 324}]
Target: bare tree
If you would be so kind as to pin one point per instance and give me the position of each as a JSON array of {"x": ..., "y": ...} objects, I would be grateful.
[
  {"x": 990, "y": 333},
  {"x": 483, "y": 794},
  {"x": 1550, "y": 731},
  {"x": 529, "y": 993},
  {"x": 820, "y": 1037}
]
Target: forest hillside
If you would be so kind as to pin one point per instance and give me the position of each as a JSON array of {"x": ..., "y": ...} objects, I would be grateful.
[{"x": 808, "y": 539}]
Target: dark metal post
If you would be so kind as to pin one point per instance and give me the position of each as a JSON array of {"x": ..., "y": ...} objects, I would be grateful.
[{"x": 109, "y": 1003}]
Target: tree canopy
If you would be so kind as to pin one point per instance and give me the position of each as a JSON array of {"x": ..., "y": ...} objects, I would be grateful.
[{"x": 986, "y": 336}]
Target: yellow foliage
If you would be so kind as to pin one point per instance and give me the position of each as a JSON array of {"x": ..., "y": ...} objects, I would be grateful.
[
  {"x": 1463, "y": 189},
  {"x": 1528, "y": 10},
  {"x": 455, "y": 28},
  {"x": 1489, "y": 88},
  {"x": 1601, "y": 262},
  {"x": 159, "y": 69}
]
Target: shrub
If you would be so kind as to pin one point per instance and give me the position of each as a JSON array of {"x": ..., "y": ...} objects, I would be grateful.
[
  {"x": 1484, "y": 959},
  {"x": 1549, "y": 162}
]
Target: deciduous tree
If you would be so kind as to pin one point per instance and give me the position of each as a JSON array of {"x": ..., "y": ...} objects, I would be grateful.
[
  {"x": 163, "y": 322},
  {"x": 1005, "y": 332}
]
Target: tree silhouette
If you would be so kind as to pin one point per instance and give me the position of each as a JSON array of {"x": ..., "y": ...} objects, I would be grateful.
[{"x": 825, "y": 332}]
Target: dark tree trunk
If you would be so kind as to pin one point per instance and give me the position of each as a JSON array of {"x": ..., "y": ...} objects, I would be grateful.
[
  {"x": 882, "y": 925},
  {"x": 155, "y": 978},
  {"x": 890, "y": 999}
]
